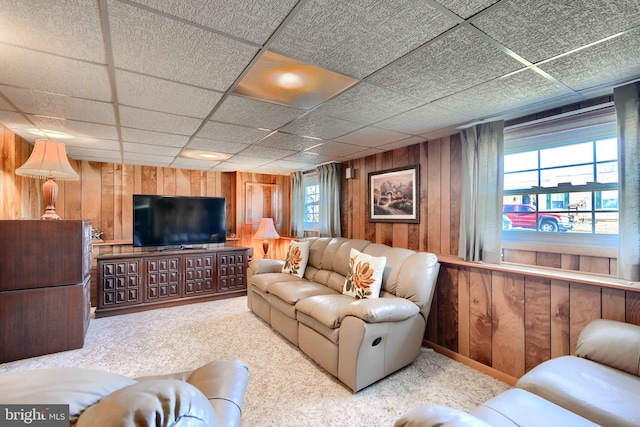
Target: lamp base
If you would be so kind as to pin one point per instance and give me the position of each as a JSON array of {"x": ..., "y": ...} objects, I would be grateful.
[
  {"x": 50, "y": 192},
  {"x": 265, "y": 248}
]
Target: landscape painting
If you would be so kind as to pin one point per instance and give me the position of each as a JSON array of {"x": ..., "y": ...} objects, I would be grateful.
[{"x": 394, "y": 195}]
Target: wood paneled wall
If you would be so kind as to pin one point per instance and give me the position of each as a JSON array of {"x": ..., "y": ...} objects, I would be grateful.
[
  {"x": 104, "y": 194},
  {"x": 440, "y": 184},
  {"x": 513, "y": 322}
]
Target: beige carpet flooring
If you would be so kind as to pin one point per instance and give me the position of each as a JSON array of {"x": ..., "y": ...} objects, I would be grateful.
[{"x": 286, "y": 387}]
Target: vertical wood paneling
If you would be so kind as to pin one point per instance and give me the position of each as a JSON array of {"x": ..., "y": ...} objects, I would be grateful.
[
  {"x": 480, "y": 323},
  {"x": 433, "y": 197},
  {"x": 455, "y": 160},
  {"x": 584, "y": 306},
  {"x": 613, "y": 304},
  {"x": 127, "y": 190},
  {"x": 73, "y": 194},
  {"x": 590, "y": 264},
  {"x": 464, "y": 309},
  {"x": 632, "y": 308},
  {"x": 107, "y": 209},
  {"x": 183, "y": 182},
  {"x": 447, "y": 290},
  {"x": 149, "y": 180},
  {"x": 117, "y": 201},
  {"x": 169, "y": 182},
  {"x": 507, "y": 308},
  {"x": 560, "y": 342},
  {"x": 424, "y": 197},
  {"x": 537, "y": 321},
  {"x": 445, "y": 194},
  {"x": 91, "y": 179}
]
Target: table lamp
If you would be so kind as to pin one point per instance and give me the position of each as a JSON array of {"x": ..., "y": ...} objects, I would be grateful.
[
  {"x": 266, "y": 231},
  {"x": 48, "y": 160}
]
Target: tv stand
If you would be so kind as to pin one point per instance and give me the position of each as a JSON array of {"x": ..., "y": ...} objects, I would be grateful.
[{"x": 146, "y": 280}]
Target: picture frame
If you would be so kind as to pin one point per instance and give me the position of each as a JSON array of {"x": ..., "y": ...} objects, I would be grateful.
[{"x": 394, "y": 195}]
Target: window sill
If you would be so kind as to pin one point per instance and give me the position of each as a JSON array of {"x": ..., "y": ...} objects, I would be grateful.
[{"x": 562, "y": 249}]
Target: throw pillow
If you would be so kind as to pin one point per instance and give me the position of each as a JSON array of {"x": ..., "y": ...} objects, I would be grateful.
[
  {"x": 297, "y": 258},
  {"x": 364, "y": 278}
]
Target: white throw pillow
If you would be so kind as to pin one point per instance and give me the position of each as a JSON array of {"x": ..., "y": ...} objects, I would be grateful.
[
  {"x": 297, "y": 258},
  {"x": 364, "y": 278}
]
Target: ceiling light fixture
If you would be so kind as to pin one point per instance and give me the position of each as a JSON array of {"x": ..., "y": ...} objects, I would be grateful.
[
  {"x": 203, "y": 155},
  {"x": 287, "y": 81}
]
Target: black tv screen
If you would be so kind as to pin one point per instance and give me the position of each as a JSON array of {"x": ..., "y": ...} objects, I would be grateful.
[{"x": 178, "y": 220}]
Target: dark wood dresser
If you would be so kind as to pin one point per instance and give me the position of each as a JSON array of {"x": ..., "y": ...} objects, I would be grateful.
[
  {"x": 146, "y": 280},
  {"x": 45, "y": 269}
]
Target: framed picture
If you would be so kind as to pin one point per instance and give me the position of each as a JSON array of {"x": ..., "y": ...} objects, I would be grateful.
[{"x": 394, "y": 195}]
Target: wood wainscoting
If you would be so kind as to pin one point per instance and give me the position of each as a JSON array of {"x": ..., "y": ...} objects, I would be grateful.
[{"x": 512, "y": 318}]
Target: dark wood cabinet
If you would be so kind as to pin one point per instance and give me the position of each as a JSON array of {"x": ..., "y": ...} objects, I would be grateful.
[
  {"x": 146, "y": 280},
  {"x": 45, "y": 271}
]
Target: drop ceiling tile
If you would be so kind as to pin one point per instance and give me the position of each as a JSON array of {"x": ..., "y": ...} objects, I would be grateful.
[
  {"x": 14, "y": 120},
  {"x": 99, "y": 158},
  {"x": 250, "y": 112},
  {"x": 500, "y": 95},
  {"x": 60, "y": 106},
  {"x": 272, "y": 170},
  {"x": 75, "y": 128},
  {"x": 358, "y": 37},
  {"x": 332, "y": 148},
  {"x": 263, "y": 152},
  {"x": 290, "y": 165},
  {"x": 369, "y": 152},
  {"x": 232, "y": 167},
  {"x": 371, "y": 136},
  {"x": 51, "y": 73},
  {"x": 79, "y": 153},
  {"x": 466, "y": 8},
  {"x": 422, "y": 119},
  {"x": 156, "y": 45},
  {"x": 157, "y": 138},
  {"x": 93, "y": 143},
  {"x": 592, "y": 67},
  {"x": 147, "y": 159},
  {"x": 158, "y": 122},
  {"x": 248, "y": 159},
  {"x": 539, "y": 30},
  {"x": 47, "y": 27},
  {"x": 312, "y": 158},
  {"x": 231, "y": 133},
  {"x": 320, "y": 126},
  {"x": 289, "y": 142},
  {"x": 4, "y": 105},
  {"x": 217, "y": 146},
  {"x": 457, "y": 61},
  {"x": 366, "y": 104},
  {"x": 136, "y": 90},
  {"x": 162, "y": 150},
  {"x": 247, "y": 19},
  {"x": 193, "y": 164}
]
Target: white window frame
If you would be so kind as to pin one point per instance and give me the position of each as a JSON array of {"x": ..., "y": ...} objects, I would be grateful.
[
  {"x": 308, "y": 180},
  {"x": 586, "y": 125}
]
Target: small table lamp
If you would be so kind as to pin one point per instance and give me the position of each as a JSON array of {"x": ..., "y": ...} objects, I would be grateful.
[
  {"x": 48, "y": 160},
  {"x": 266, "y": 231}
]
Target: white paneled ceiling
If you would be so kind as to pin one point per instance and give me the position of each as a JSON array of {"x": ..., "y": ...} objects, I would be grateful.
[{"x": 141, "y": 81}]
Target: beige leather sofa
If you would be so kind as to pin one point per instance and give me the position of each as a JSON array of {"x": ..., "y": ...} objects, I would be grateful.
[
  {"x": 209, "y": 396},
  {"x": 359, "y": 341},
  {"x": 598, "y": 386}
]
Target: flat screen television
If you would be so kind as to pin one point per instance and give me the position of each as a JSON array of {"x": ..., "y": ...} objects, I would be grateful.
[{"x": 178, "y": 220}]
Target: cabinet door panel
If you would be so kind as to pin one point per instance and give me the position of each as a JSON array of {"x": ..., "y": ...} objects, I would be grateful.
[
  {"x": 162, "y": 278},
  {"x": 198, "y": 274}
]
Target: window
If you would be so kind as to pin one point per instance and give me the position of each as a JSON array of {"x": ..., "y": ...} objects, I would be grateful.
[
  {"x": 562, "y": 183},
  {"x": 311, "y": 203}
]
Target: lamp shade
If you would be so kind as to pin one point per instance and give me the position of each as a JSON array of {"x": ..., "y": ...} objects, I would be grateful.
[
  {"x": 266, "y": 230},
  {"x": 48, "y": 158}
]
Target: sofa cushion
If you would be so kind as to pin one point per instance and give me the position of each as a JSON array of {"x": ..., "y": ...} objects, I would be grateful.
[
  {"x": 520, "y": 408},
  {"x": 597, "y": 392},
  {"x": 600, "y": 336},
  {"x": 364, "y": 277},
  {"x": 264, "y": 281},
  {"x": 326, "y": 309},
  {"x": 79, "y": 388},
  {"x": 151, "y": 403},
  {"x": 297, "y": 257},
  {"x": 292, "y": 292},
  {"x": 438, "y": 416}
]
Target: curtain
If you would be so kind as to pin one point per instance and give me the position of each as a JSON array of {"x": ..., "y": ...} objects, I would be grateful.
[
  {"x": 482, "y": 183},
  {"x": 627, "y": 101},
  {"x": 297, "y": 205},
  {"x": 329, "y": 180}
]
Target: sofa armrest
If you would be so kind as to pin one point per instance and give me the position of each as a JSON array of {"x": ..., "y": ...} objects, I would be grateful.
[
  {"x": 611, "y": 343},
  {"x": 376, "y": 310},
  {"x": 260, "y": 266},
  {"x": 432, "y": 416}
]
